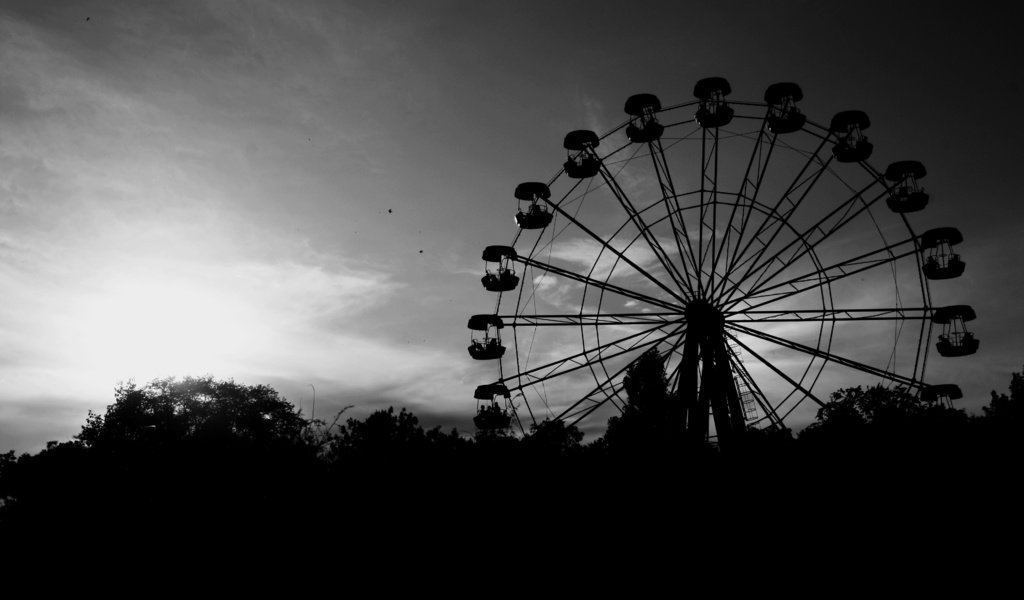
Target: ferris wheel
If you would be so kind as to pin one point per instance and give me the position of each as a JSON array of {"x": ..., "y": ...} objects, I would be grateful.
[{"x": 758, "y": 252}]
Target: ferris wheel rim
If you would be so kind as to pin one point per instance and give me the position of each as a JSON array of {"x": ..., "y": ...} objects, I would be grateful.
[
  {"x": 815, "y": 130},
  {"x": 716, "y": 204}
]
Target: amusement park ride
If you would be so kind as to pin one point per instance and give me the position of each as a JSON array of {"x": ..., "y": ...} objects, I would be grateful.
[{"x": 741, "y": 240}]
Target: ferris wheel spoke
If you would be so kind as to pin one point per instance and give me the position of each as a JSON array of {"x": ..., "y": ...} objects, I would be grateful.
[
  {"x": 784, "y": 220},
  {"x": 829, "y": 356},
  {"x": 714, "y": 216},
  {"x": 515, "y": 341},
  {"x": 582, "y": 360},
  {"x": 612, "y": 382},
  {"x": 604, "y": 285},
  {"x": 607, "y": 390},
  {"x": 871, "y": 170},
  {"x": 638, "y": 221},
  {"x": 584, "y": 407},
  {"x": 822, "y": 277},
  {"x": 608, "y": 246},
  {"x": 669, "y": 198},
  {"x": 803, "y": 245},
  {"x": 832, "y": 273},
  {"x": 528, "y": 320},
  {"x": 795, "y": 184},
  {"x": 755, "y": 153},
  {"x": 834, "y": 314},
  {"x": 805, "y": 237},
  {"x": 807, "y": 393}
]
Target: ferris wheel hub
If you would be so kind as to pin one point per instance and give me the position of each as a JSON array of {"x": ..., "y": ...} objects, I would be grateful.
[{"x": 702, "y": 315}]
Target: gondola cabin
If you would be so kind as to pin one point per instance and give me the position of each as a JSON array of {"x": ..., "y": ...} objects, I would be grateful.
[
  {"x": 907, "y": 195},
  {"x": 581, "y": 161},
  {"x": 783, "y": 115},
  {"x": 643, "y": 124},
  {"x": 852, "y": 145},
  {"x": 943, "y": 394},
  {"x": 955, "y": 340},
  {"x": 712, "y": 110},
  {"x": 940, "y": 261},
  {"x": 536, "y": 215},
  {"x": 490, "y": 412},
  {"x": 488, "y": 346},
  {"x": 502, "y": 277}
]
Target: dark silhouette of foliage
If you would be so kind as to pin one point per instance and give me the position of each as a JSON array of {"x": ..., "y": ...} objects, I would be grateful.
[
  {"x": 1007, "y": 410},
  {"x": 769, "y": 443},
  {"x": 553, "y": 439},
  {"x": 196, "y": 454},
  {"x": 1000, "y": 428},
  {"x": 198, "y": 410},
  {"x": 878, "y": 438},
  {"x": 387, "y": 453},
  {"x": 8, "y": 462},
  {"x": 389, "y": 437},
  {"x": 382, "y": 435},
  {"x": 877, "y": 408},
  {"x": 883, "y": 416},
  {"x": 174, "y": 453},
  {"x": 652, "y": 419}
]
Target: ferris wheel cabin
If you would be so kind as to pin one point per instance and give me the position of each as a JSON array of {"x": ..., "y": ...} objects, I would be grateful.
[
  {"x": 783, "y": 115},
  {"x": 943, "y": 393},
  {"x": 503, "y": 278},
  {"x": 643, "y": 125},
  {"x": 489, "y": 346},
  {"x": 907, "y": 194},
  {"x": 940, "y": 261},
  {"x": 713, "y": 111},
  {"x": 853, "y": 146},
  {"x": 581, "y": 162},
  {"x": 536, "y": 215},
  {"x": 955, "y": 340},
  {"x": 490, "y": 414}
]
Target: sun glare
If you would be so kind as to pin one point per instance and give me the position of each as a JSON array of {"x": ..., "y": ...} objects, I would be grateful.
[{"x": 154, "y": 329}]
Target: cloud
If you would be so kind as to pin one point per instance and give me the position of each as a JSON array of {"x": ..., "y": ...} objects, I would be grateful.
[
  {"x": 598, "y": 261},
  {"x": 594, "y": 114},
  {"x": 544, "y": 283}
]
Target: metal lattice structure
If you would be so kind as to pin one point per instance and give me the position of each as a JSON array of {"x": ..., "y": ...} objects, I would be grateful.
[{"x": 759, "y": 252}]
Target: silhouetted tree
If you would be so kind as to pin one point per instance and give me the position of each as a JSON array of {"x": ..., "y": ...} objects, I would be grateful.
[
  {"x": 1007, "y": 410},
  {"x": 197, "y": 453},
  {"x": 766, "y": 444},
  {"x": 388, "y": 455},
  {"x": 553, "y": 439},
  {"x": 8, "y": 462},
  {"x": 383, "y": 435},
  {"x": 652, "y": 419},
  {"x": 890, "y": 428},
  {"x": 196, "y": 409},
  {"x": 999, "y": 434},
  {"x": 172, "y": 454}
]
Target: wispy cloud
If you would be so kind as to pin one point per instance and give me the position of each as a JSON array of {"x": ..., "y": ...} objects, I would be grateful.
[{"x": 598, "y": 261}]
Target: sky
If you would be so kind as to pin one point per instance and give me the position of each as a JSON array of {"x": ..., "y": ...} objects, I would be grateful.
[{"x": 296, "y": 194}]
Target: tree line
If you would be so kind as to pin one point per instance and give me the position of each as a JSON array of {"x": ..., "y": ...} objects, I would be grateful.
[{"x": 182, "y": 453}]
